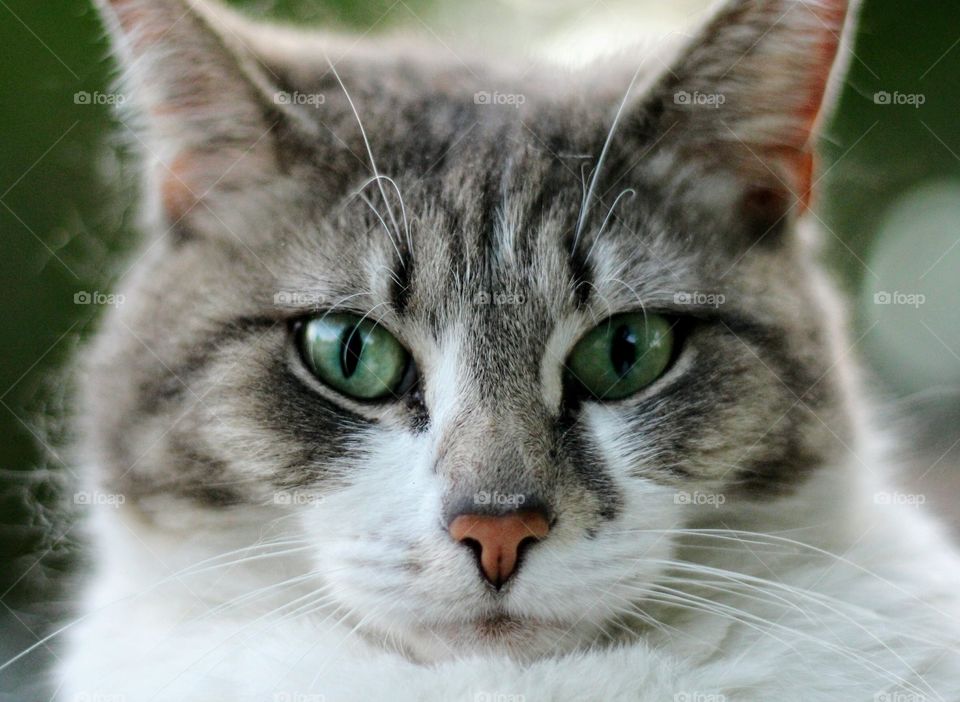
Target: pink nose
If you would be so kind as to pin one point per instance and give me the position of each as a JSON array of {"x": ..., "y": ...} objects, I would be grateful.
[{"x": 499, "y": 540}]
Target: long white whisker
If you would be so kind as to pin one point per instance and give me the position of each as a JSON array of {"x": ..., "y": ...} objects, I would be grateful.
[
  {"x": 687, "y": 600},
  {"x": 174, "y": 576},
  {"x": 595, "y": 176},
  {"x": 366, "y": 141},
  {"x": 376, "y": 212},
  {"x": 606, "y": 220},
  {"x": 403, "y": 207}
]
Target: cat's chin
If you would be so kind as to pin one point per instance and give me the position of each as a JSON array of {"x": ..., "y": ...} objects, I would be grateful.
[{"x": 520, "y": 638}]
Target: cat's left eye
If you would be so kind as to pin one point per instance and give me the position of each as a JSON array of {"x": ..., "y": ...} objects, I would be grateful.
[
  {"x": 622, "y": 355},
  {"x": 355, "y": 356}
]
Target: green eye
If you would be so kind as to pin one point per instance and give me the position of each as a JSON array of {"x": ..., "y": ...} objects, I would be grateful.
[
  {"x": 354, "y": 356},
  {"x": 622, "y": 355}
]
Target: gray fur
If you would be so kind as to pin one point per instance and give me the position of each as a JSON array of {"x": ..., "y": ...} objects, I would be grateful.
[{"x": 194, "y": 389}]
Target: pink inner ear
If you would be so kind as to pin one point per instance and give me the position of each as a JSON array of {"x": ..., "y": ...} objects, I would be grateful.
[
  {"x": 831, "y": 15},
  {"x": 805, "y": 170}
]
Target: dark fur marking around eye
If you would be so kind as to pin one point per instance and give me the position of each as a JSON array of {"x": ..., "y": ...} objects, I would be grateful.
[
  {"x": 173, "y": 383},
  {"x": 316, "y": 427},
  {"x": 781, "y": 459},
  {"x": 791, "y": 371},
  {"x": 587, "y": 465}
]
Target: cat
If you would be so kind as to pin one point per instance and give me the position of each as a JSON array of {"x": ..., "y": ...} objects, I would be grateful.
[{"x": 444, "y": 378}]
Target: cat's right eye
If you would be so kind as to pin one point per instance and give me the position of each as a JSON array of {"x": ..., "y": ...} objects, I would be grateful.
[
  {"x": 354, "y": 356},
  {"x": 622, "y": 355}
]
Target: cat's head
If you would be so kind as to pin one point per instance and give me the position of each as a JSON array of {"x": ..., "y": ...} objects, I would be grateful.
[{"x": 488, "y": 349}]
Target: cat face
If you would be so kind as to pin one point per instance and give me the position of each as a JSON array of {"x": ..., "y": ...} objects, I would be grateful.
[{"x": 485, "y": 238}]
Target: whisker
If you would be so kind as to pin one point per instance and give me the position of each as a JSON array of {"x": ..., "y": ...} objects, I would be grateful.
[
  {"x": 688, "y": 601},
  {"x": 585, "y": 209},
  {"x": 366, "y": 141},
  {"x": 606, "y": 220},
  {"x": 390, "y": 235}
]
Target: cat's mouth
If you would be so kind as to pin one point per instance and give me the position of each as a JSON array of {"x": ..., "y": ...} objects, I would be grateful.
[
  {"x": 501, "y": 625},
  {"x": 522, "y": 637},
  {"x": 504, "y": 628}
]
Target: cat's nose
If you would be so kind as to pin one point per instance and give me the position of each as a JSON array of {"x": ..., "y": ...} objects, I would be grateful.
[{"x": 499, "y": 541}]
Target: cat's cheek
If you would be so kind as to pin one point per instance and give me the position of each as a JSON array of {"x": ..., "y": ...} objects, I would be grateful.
[
  {"x": 377, "y": 537},
  {"x": 650, "y": 496}
]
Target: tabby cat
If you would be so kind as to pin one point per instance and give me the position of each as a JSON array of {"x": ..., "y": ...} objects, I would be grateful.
[{"x": 448, "y": 378}]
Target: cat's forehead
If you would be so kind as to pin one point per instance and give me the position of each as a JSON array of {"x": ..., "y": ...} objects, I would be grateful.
[{"x": 509, "y": 228}]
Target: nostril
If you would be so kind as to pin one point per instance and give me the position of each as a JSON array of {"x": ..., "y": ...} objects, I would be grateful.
[
  {"x": 499, "y": 542},
  {"x": 474, "y": 546},
  {"x": 524, "y": 546}
]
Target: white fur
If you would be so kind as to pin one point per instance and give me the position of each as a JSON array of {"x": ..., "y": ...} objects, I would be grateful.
[{"x": 882, "y": 609}]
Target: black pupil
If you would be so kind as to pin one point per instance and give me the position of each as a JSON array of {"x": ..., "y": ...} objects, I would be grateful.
[
  {"x": 623, "y": 349},
  {"x": 351, "y": 346}
]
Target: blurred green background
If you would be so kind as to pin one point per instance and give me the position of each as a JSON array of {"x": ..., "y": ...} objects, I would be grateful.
[{"x": 892, "y": 213}]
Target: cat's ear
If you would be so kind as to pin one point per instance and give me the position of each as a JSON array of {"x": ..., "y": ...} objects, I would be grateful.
[
  {"x": 747, "y": 94},
  {"x": 201, "y": 100}
]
